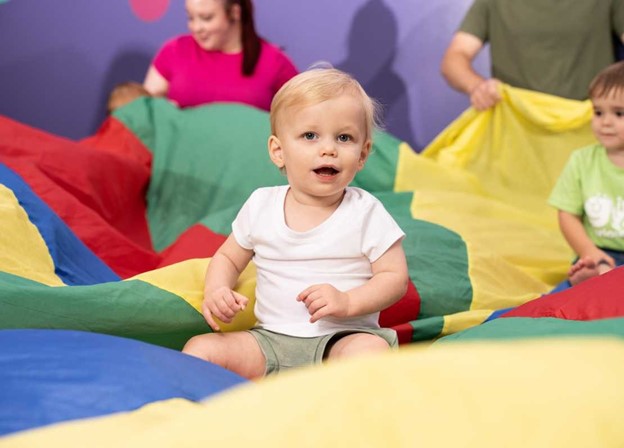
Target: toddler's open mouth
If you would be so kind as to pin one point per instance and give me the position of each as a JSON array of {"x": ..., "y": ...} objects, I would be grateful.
[{"x": 326, "y": 171}]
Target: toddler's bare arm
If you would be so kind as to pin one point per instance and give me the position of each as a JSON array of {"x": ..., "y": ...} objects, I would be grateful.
[
  {"x": 387, "y": 285},
  {"x": 220, "y": 300}
]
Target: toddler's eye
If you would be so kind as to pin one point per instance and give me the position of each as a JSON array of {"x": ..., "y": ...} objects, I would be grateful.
[
  {"x": 344, "y": 138},
  {"x": 619, "y": 113},
  {"x": 309, "y": 135},
  {"x": 597, "y": 112}
]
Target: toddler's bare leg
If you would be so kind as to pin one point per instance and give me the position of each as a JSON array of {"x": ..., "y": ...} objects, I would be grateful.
[
  {"x": 237, "y": 351},
  {"x": 356, "y": 344}
]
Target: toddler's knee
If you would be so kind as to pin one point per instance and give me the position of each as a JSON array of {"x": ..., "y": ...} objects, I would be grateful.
[
  {"x": 356, "y": 344},
  {"x": 376, "y": 343},
  {"x": 192, "y": 346}
]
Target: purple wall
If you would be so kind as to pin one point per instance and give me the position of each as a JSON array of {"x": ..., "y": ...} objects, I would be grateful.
[{"x": 59, "y": 60}]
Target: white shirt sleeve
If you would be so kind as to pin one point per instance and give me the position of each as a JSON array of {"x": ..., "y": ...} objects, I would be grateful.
[
  {"x": 241, "y": 227},
  {"x": 380, "y": 231}
]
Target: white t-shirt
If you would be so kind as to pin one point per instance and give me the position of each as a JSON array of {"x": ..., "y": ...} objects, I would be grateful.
[{"x": 339, "y": 251}]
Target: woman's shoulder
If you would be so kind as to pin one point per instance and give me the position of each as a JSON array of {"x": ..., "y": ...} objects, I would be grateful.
[
  {"x": 274, "y": 61},
  {"x": 173, "y": 51},
  {"x": 179, "y": 43},
  {"x": 272, "y": 50}
]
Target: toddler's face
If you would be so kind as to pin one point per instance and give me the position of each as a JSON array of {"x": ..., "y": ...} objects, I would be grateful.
[
  {"x": 608, "y": 120},
  {"x": 322, "y": 146}
]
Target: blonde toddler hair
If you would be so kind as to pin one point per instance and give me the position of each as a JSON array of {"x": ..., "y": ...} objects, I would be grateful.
[{"x": 321, "y": 84}]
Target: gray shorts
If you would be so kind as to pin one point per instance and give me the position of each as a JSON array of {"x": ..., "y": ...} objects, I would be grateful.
[{"x": 283, "y": 352}]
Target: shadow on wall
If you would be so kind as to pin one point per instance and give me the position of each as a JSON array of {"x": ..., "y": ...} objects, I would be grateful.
[
  {"x": 378, "y": 48},
  {"x": 38, "y": 101},
  {"x": 127, "y": 65}
]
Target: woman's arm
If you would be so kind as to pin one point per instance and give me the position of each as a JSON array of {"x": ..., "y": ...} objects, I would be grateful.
[{"x": 155, "y": 83}]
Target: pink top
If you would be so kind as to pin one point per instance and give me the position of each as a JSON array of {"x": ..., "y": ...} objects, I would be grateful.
[{"x": 197, "y": 76}]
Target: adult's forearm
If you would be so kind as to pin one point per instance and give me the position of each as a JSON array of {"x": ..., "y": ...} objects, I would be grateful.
[
  {"x": 457, "y": 62},
  {"x": 460, "y": 75}
]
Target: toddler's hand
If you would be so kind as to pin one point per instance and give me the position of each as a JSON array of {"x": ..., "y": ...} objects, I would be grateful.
[
  {"x": 324, "y": 300},
  {"x": 222, "y": 303}
]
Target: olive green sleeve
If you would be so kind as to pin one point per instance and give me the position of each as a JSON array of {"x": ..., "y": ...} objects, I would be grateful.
[{"x": 476, "y": 20}]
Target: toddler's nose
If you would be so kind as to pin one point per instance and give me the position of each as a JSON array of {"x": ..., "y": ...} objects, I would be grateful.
[{"x": 328, "y": 149}]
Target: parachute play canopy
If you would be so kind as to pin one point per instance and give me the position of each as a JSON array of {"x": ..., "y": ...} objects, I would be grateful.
[
  {"x": 509, "y": 394},
  {"x": 106, "y": 241},
  {"x": 49, "y": 376},
  {"x": 119, "y": 227}
]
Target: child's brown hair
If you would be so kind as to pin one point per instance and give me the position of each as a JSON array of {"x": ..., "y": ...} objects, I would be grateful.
[
  {"x": 609, "y": 80},
  {"x": 123, "y": 93}
]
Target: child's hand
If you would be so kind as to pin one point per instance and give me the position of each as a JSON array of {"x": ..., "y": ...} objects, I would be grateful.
[
  {"x": 324, "y": 300},
  {"x": 222, "y": 303}
]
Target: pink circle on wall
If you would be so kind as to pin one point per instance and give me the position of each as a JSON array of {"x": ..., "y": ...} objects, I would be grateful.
[{"x": 149, "y": 10}]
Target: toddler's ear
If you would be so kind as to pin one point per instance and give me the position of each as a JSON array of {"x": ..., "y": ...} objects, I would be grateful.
[
  {"x": 364, "y": 154},
  {"x": 275, "y": 151}
]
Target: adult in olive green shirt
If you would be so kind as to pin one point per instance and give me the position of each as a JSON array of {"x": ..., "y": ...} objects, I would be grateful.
[{"x": 551, "y": 46}]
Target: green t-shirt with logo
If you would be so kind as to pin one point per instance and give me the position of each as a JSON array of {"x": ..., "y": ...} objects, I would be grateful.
[
  {"x": 591, "y": 186},
  {"x": 551, "y": 46}
]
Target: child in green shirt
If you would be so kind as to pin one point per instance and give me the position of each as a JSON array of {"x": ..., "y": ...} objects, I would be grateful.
[{"x": 589, "y": 194}]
